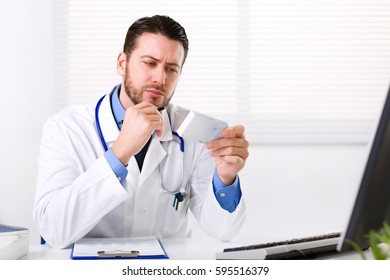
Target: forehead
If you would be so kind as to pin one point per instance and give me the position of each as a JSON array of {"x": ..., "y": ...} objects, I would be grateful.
[{"x": 160, "y": 47}]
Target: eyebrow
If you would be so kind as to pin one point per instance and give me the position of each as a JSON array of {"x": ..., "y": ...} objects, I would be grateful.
[{"x": 168, "y": 63}]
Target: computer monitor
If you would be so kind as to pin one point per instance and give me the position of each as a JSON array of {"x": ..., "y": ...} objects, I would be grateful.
[{"x": 372, "y": 202}]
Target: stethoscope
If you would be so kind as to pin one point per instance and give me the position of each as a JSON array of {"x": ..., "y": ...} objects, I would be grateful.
[{"x": 178, "y": 192}]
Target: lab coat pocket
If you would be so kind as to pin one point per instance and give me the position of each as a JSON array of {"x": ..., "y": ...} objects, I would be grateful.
[{"x": 175, "y": 208}]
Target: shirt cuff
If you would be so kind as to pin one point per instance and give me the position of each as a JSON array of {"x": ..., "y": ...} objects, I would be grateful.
[
  {"x": 116, "y": 165},
  {"x": 228, "y": 197}
]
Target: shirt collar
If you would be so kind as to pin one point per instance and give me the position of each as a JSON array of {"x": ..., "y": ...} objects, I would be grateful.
[{"x": 116, "y": 106}]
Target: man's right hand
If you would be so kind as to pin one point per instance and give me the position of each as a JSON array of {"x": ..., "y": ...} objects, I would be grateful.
[{"x": 138, "y": 125}]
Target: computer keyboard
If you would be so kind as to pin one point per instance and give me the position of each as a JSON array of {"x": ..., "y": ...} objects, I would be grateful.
[{"x": 286, "y": 249}]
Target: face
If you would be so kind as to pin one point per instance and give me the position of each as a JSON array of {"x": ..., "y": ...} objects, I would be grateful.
[{"x": 152, "y": 71}]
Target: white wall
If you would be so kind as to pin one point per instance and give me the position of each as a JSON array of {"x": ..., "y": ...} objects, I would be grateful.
[
  {"x": 25, "y": 88},
  {"x": 301, "y": 189},
  {"x": 290, "y": 190},
  {"x": 298, "y": 190}
]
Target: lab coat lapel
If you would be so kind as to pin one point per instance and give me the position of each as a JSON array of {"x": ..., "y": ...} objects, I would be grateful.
[{"x": 156, "y": 152}]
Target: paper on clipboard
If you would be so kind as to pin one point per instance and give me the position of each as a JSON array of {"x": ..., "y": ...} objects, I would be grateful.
[{"x": 147, "y": 247}]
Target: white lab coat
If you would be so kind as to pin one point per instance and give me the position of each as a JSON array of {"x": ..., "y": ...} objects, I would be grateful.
[{"x": 78, "y": 194}]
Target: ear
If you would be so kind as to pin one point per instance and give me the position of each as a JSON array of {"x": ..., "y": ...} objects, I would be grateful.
[{"x": 121, "y": 64}]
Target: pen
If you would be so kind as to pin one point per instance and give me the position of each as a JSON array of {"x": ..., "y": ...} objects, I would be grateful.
[{"x": 118, "y": 253}]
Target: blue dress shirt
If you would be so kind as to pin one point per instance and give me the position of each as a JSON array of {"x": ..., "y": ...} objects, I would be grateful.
[{"x": 228, "y": 197}]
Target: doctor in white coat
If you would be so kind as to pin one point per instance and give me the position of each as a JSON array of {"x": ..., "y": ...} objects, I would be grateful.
[{"x": 119, "y": 169}]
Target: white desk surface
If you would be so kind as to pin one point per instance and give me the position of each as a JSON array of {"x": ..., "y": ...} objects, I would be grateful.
[{"x": 176, "y": 249}]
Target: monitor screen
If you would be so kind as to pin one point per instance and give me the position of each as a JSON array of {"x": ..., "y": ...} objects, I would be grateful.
[{"x": 371, "y": 206}]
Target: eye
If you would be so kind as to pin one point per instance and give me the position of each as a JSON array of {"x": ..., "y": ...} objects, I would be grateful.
[
  {"x": 150, "y": 63},
  {"x": 173, "y": 70}
]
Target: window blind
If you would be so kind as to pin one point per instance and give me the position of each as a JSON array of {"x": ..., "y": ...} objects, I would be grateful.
[{"x": 304, "y": 71}]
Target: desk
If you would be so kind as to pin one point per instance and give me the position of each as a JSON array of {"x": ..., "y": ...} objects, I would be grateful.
[{"x": 176, "y": 249}]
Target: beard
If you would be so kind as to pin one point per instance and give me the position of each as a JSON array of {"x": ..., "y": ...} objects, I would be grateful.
[{"x": 136, "y": 94}]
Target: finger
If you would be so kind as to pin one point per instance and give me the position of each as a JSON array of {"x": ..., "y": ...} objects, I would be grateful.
[
  {"x": 158, "y": 122},
  {"x": 147, "y": 108},
  {"x": 233, "y": 131},
  {"x": 226, "y": 142},
  {"x": 141, "y": 116},
  {"x": 154, "y": 117},
  {"x": 146, "y": 116},
  {"x": 235, "y": 160},
  {"x": 150, "y": 110},
  {"x": 230, "y": 151},
  {"x": 143, "y": 105}
]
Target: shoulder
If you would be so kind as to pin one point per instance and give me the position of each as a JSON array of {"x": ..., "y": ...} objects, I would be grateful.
[{"x": 75, "y": 115}]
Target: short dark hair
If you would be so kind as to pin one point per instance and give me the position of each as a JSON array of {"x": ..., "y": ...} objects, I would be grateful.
[{"x": 157, "y": 24}]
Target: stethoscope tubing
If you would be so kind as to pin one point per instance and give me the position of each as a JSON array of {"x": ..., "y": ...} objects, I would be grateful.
[
  {"x": 99, "y": 129},
  {"x": 104, "y": 144},
  {"x": 100, "y": 133}
]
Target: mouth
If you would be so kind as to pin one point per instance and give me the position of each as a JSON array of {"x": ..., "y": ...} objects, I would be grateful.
[{"x": 155, "y": 93}]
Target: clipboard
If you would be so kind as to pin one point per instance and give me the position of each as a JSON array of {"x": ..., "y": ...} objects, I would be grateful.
[{"x": 118, "y": 248}]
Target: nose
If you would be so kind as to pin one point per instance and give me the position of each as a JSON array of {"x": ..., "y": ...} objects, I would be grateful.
[{"x": 159, "y": 76}]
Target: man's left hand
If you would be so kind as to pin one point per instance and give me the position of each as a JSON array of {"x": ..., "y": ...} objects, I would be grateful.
[{"x": 230, "y": 153}]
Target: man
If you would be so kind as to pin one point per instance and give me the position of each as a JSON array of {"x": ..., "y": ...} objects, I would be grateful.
[{"x": 120, "y": 170}]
